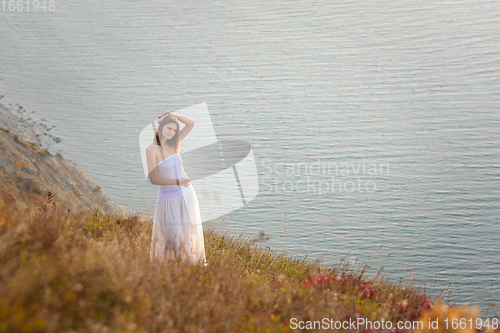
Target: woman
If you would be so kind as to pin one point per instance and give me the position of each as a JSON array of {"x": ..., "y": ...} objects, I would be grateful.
[{"x": 177, "y": 228}]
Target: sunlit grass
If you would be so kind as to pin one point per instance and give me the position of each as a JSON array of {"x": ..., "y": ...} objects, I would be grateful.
[{"x": 90, "y": 272}]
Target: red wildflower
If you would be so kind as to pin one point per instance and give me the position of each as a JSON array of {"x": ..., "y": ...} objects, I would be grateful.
[{"x": 425, "y": 304}]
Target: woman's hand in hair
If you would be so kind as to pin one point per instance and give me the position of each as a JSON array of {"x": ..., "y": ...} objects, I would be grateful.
[{"x": 163, "y": 115}]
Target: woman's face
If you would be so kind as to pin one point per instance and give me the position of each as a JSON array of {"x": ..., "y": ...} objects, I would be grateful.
[{"x": 168, "y": 131}]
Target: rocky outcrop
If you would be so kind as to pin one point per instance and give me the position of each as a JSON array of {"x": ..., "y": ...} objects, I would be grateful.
[{"x": 27, "y": 169}]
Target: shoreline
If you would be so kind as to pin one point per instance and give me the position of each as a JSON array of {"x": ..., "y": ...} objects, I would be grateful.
[
  {"x": 28, "y": 169},
  {"x": 17, "y": 120}
]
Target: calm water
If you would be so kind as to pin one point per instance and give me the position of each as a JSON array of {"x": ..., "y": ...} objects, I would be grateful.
[{"x": 407, "y": 90}]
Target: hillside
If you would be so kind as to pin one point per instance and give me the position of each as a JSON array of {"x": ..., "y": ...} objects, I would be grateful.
[{"x": 29, "y": 170}]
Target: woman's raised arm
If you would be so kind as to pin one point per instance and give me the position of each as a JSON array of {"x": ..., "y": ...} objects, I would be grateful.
[{"x": 183, "y": 119}]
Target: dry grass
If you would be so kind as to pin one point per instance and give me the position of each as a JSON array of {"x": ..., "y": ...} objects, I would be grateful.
[{"x": 90, "y": 272}]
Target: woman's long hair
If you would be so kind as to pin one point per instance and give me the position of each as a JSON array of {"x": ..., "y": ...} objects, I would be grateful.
[{"x": 175, "y": 140}]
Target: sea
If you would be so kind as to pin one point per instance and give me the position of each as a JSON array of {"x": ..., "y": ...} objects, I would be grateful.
[{"x": 374, "y": 124}]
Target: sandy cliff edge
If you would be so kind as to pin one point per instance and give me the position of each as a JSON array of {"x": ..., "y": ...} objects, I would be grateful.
[{"x": 27, "y": 169}]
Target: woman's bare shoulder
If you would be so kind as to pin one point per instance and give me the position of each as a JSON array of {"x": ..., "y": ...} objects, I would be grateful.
[
  {"x": 152, "y": 148},
  {"x": 152, "y": 145}
]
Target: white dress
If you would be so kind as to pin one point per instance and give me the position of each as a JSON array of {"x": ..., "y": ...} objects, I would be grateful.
[{"x": 177, "y": 228}]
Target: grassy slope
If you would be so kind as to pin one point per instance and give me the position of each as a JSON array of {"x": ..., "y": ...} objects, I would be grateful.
[{"x": 91, "y": 272}]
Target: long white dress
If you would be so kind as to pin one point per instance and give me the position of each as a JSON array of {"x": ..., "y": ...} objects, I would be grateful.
[{"x": 177, "y": 227}]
